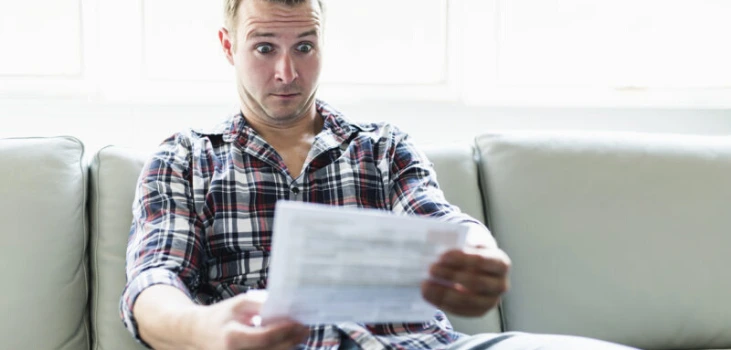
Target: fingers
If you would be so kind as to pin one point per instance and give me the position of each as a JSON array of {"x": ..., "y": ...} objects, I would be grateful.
[
  {"x": 471, "y": 281},
  {"x": 453, "y": 300},
  {"x": 468, "y": 284},
  {"x": 245, "y": 303},
  {"x": 243, "y": 308},
  {"x": 490, "y": 261},
  {"x": 283, "y": 335}
]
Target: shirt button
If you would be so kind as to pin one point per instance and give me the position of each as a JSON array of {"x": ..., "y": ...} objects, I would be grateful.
[{"x": 295, "y": 190}]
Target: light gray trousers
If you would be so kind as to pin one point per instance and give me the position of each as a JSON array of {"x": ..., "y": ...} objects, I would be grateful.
[{"x": 529, "y": 341}]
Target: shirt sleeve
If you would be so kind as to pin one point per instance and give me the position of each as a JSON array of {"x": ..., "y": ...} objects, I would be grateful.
[
  {"x": 164, "y": 245},
  {"x": 414, "y": 188}
]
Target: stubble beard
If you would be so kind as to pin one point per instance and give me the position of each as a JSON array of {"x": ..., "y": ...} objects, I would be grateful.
[{"x": 264, "y": 113}]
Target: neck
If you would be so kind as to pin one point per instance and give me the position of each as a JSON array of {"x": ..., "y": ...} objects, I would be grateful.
[{"x": 292, "y": 131}]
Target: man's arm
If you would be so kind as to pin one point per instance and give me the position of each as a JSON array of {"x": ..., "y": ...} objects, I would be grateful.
[
  {"x": 164, "y": 253},
  {"x": 477, "y": 275},
  {"x": 168, "y": 319},
  {"x": 165, "y": 317},
  {"x": 164, "y": 247}
]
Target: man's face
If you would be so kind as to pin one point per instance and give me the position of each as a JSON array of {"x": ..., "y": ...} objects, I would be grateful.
[{"x": 277, "y": 58}]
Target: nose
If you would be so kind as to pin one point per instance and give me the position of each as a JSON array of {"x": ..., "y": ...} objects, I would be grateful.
[{"x": 285, "y": 71}]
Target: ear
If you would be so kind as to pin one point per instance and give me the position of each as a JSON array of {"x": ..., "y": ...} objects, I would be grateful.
[{"x": 226, "y": 44}]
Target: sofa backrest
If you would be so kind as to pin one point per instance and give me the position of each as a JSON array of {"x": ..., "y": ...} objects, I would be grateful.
[
  {"x": 114, "y": 172},
  {"x": 622, "y": 237},
  {"x": 43, "y": 251}
]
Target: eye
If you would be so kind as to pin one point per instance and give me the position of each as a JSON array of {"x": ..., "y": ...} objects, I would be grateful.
[
  {"x": 305, "y": 47},
  {"x": 264, "y": 48}
]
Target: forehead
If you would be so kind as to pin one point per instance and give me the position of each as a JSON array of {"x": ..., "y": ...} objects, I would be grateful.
[{"x": 260, "y": 15}]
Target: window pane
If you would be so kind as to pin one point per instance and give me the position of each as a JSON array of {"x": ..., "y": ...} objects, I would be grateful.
[
  {"x": 181, "y": 40},
  {"x": 618, "y": 43},
  {"x": 40, "y": 37},
  {"x": 386, "y": 41},
  {"x": 373, "y": 42}
]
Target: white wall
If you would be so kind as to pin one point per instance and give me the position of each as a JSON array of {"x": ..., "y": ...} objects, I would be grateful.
[{"x": 145, "y": 126}]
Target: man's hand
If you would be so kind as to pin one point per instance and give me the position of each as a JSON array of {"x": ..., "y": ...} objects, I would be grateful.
[
  {"x": 468, "y": 283},
  {"x": 229, "y": 325}
]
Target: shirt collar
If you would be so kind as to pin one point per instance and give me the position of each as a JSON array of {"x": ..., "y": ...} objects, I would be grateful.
[{"x": 336, "y": 128}]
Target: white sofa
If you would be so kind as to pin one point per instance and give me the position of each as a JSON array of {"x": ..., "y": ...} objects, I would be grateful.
[{"x": 622, "y": 237}]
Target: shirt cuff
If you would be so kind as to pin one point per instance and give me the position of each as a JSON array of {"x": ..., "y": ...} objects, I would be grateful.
[
  {"x": 145, "y": 280},
  {"x": 460, "y": 218}
]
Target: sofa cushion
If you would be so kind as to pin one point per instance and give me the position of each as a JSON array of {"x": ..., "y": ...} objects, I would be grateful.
[
  {"x": 114, "y": 172},
  {"x": 43, "y": 234},
  {"x": 457, "y": 176},
  {"x": 622, "y": 237}
]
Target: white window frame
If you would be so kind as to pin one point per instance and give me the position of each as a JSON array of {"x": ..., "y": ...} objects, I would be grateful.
[{"x": 112, "y": 71}]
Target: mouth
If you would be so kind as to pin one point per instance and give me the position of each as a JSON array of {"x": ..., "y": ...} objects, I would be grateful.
[{"x": 285, "y": 96}]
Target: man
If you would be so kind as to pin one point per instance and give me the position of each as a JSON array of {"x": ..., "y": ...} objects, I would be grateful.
[{"x": 203, "y": 213}]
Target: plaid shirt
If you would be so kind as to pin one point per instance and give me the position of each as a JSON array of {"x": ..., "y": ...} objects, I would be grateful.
[{"x": 204, "y": 210}]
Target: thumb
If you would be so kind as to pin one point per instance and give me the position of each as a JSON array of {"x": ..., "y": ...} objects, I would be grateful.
[{"x": 245, "y": 307}]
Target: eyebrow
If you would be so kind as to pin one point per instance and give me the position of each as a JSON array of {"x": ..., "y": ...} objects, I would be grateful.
[
  {"x": 311, "y": 32},
  {"x": 272, "y": 35},
  {"x": 261, "y": 35}
]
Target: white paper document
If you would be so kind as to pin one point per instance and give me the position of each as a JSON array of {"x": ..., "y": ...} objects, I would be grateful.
[{"x": 333, "y": 264}]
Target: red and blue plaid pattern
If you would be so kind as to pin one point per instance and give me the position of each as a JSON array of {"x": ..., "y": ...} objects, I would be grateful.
[{"x": 204, "y": 209}]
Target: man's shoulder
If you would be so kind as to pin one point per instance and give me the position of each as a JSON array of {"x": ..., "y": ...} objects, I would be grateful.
[
  {"x": 217, "y": 133},
  {"x": 225, "y": 129},
  {"x": 372, "y": 129},
  {"x": 192, "y": 141}
]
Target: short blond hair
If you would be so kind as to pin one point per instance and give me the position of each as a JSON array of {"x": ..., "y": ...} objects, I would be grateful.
[{"x": 231, "y": 10}]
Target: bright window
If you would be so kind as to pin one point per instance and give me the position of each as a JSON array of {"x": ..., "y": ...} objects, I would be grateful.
[{"x": 561, "y": 53}]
